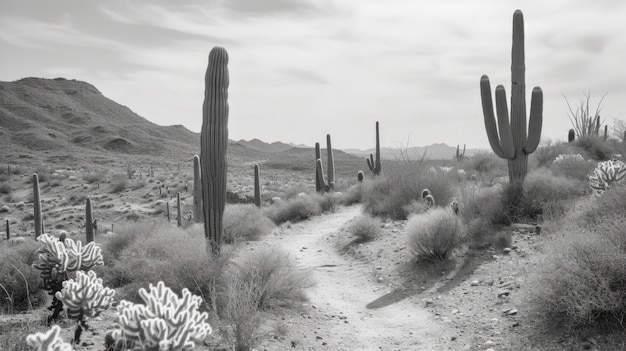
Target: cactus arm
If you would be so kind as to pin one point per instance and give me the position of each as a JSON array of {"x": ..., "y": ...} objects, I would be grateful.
[
  {"x": 89, "y": 221},
  {"x": 331, "y": 162},
  {"x": 536, "y": 120},
  {"x": 37, "y": 206},
  {"x": 257, "y": 187},
  {"x": 370, "y": 162},
  {"x": 489, "y": 117},
  {"x": 197, "y": 190},
  {"x": 504, "y": 125},
  {"x": 318, "y": 155},
  {"x": 377, "y": 166},
  {"x": 321, "y": 182}
]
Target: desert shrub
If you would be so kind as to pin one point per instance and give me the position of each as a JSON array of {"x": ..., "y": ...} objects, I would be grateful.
[
  {"x": 15, "y": 291},
  {"x": 5, "y": 188},
  {"x": 415, "y": 207},
  {"x": 93, "y": 177},
  {"x": 294, "y": 209},
  {"x": 352, "y": 195},
  {"x": 241, "y": 310},
  {"x": 328, "y": 201},
  {"x": 486, "y": 163},
  {"x": 432, "y": 236},
  {"x": 387, "y": 195},
  {"x": 610, "y": 205},
  {"x": 138, "y": 184},
  {"x": 43, "y": 174},
  {"x": 164, "y": 252},
  {"x": 365, "y": 228},
  {"x": 548, "y": 152},
  {"x": 77, "y": 199},
  {"x": 543, "y": 190},
  {"x": 119, "y": 183},
  {"x": 244, "y": 222},
  {"x": 582, "y": 282},
  {"x": 596, "y": 147},
  {"x": 280, "y": 281},
  {"x": 572, "y": 166}
]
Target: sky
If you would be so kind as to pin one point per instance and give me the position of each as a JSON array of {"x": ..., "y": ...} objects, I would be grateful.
[{"x": 301, "y": 69}]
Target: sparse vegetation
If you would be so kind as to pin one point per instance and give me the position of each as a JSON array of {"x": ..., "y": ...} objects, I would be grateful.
[
  {"x": 365, "y": 228},
  {"x": 433, "y": 236},
  {"x": 245, "y": 222},
  {"x": 295, "y": 209}
]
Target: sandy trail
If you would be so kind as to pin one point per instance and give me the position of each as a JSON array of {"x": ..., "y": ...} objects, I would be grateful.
[{"x": 344, "y": 288}]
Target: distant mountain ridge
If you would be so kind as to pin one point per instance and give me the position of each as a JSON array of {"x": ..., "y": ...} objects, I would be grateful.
[{"x": 439, "y": 151}]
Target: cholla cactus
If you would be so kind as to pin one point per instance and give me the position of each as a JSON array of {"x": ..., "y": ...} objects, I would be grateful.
[
  {"x": 57, "y": 259},
  {"x": 48, "y": 341},
  {"x": 606, "y": 173},
  {"x": 568, "y": 157},
  {"x": 85, "y": 296},
  {"x": 165, "y": 323}
]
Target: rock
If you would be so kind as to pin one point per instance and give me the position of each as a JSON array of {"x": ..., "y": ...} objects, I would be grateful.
[
  {"x": 586, "y": 345},
  {"x": 428, "y": 302},
  {"x": 512, "y": 312},
  {"x": 474, "y": 283},
  {"x": 503, "y": 293},
  {"x": 453, "y": 338},
  {"x": 506, "y": 250},
  {"x": 5, "y": 209},
  {"x": 20, "y": 204}
]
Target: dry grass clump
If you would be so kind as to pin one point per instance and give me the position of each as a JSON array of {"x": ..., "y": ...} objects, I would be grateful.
[
  {"x": 93, "y": 177},
  {"x": 119, "y": 183},
  {"x": 432, "y": 236},
  {"x": 486, "y": 164},
  {"x": 245, "y": 222},
  {"x": 328, "y": 201},
  {"x": 295, "y": 209},
  {"x": 352, "y": 195},
  {"x": 582, "y": 282},
  {"x": 595, "y": 147},
  {"x": 612, "y": 204},
  {"x": 572, "y": 167},
  {"x": 402, "y": 183},
  {"x": 19, "y": 282},
  {"x": 5, "y": 188},
  {"x": 365, "y": 228},
  {"x": 546, "y": 193}
]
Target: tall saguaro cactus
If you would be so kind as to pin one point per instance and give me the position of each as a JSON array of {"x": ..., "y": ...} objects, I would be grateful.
[
  {"x": 257, "y": 187},
  {"x": 37, "y": 206},
  {"x": 510, "y": 140},
  {"x": 213, "y": 144},
  {"x": 375, "y": 165},
  {"x": 331, "y": 163},
  {"x": 318, "y": 183},
  {"x": 89, "y": 221},
  {"x": 197, "y": 190},
  {"x": 179, "y": 217}
]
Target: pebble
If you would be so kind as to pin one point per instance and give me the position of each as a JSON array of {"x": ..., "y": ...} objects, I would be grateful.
[
  {"x": 475, "y": 283},
  {"x": 503, "y": 293},
  {"x": 506, "y": 250}
]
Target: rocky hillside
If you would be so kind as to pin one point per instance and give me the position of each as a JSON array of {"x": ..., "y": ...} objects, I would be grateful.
[{"x": 70, "y": 115}]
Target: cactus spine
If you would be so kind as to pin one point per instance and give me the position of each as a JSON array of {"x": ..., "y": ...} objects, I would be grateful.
[
  {"x": 213, "y": 144},
  {"x": 331, "y": 163},
  {"x": 257, "y": 187},
  {"x": 197, "y": 190},
  {"x": 571, "y": 135},
  {"x": 89, "y": 221},
  {"x": 37, "y": 206},
  {"x": 513, "y": 143},
  {"x": 375, "y": 165},
  {"x": 179, "y": 219}
]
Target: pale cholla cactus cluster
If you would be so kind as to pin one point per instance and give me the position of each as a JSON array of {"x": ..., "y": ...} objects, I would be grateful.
[
  {"x": 85, "y": 296},
  {"x": 606, "y": 173},
  {"x": 48, "y": 341},
  {"x": 165, "y": 323},
  {"x": 68, "y": 256},
  {"x": 568, "y": 157}
]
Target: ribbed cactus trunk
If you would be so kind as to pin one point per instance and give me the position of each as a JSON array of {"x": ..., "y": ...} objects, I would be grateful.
[
  {"x": 331, "y": 163},
  {"x": 197, "y": 191},
  {"x": 510, "y": 140},
  {"x": 179, "y": 219},
  {"x": 37, "y": 206},
  {"x": 89, "y": 221},
  {"x": 318, "y": 155},
  {"x": 213, "y": 144},
  {"x": 257, "y": 187},
  {"x": 321, "y": 182}
]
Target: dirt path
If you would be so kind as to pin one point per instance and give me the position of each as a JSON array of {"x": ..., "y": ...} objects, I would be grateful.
[{"x": 345, "y": 287}]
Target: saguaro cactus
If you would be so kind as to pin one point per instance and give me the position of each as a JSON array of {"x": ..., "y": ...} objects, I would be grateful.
[
  {"x": 213, "y": 144},
  {"x": 375, "y": 165},
  {"x": 571, "y": 135},
  {"x": 460, "y": 155},
  {"x": 318, "y": 183},
  {"x": 37, "y": 206},
  {"x": 510, "y": 140},
  {"x": 257, "y": 187},
  {"x": 197, "y": 190},
  {"x": 179, "y": 219},
  {"x": 331, "y": 163},
  {"x": 89, "y": 221}
]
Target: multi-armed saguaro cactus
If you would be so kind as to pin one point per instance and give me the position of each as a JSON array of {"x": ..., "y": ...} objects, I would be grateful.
[
  {"x": 375, "y": 165},
  {"x": 37, "y": 206},
  {"x": 509, "y": 140},
  {"x": 89, "y": 221},
  {"x": 165, "y": 322},
  {"x": 331, "y": 163},
  {"x": 213, "y": 144},
  {"x": 197, "y": 190},
  {"x": 459, "y": 155},
  {"x": 257, "y": 187}
]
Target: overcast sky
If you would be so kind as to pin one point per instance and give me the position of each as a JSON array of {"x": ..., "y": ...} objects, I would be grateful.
[{"x": 300, "y": 69}]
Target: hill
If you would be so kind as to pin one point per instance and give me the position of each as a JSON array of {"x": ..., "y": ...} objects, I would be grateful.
[
  {"x": 256, "y": 144},
  {"x": 70, "y": 115},
  {"x": 438, "y": 151}
]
